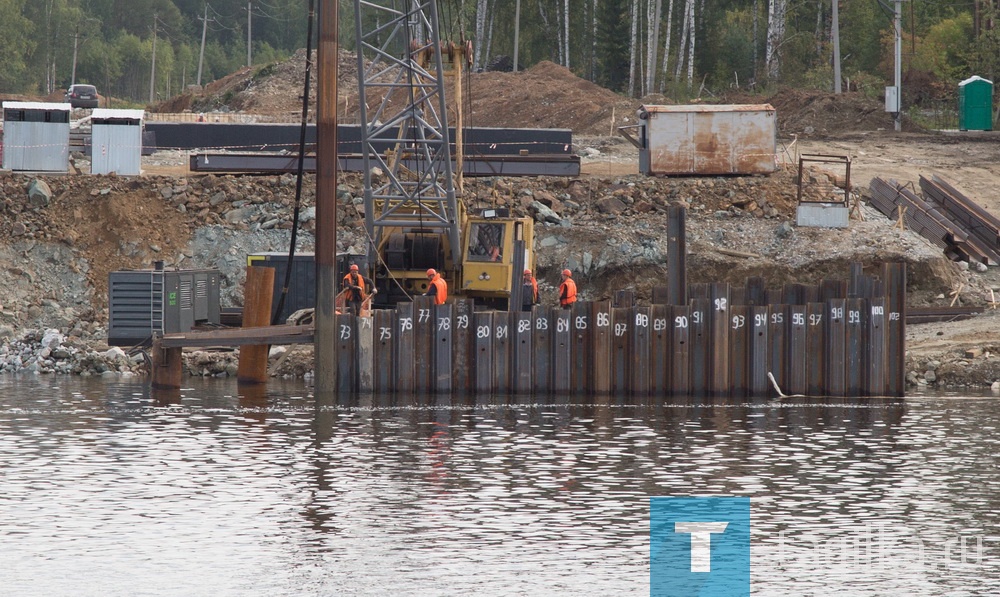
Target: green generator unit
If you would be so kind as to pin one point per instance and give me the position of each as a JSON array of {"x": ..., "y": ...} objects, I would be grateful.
[
  {"x": 975, "y": 104},
  {"x": 143, "y": 303}
]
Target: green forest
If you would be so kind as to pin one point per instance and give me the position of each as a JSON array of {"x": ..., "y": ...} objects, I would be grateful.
[{"x": 147, "y": 50}]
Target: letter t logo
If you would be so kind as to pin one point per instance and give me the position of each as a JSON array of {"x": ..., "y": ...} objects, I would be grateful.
[{"x": 701, "y": 542}]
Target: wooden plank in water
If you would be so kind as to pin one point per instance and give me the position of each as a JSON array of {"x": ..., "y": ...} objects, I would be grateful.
[
  {"x": 760, "y": 349},
  {"x": 443, "y": 370},
  {"x": 542, "y": 327},
  {"x": 257, "y": 293},
  {"x": 600, "y": 343},
  {"x": 798, "y": 369},
  {"x": 815, "y": 348},
  {"x": 483, "y": 323},
  {"x": 680, "y": 345},
  {"x": 875, "y": 381},
  {"x": 836, "y": 345},
  {"x": 856, "y": 344},
  {"x": 423, "y": 344},
  {"x": 275, "y": 334},
  {"x": 642, "y": 336},
  {"x": 659, "y": 351},
  {"x": 561, "y": 341},
  {"x": 700, "y": 327},
  {"x": 404, "y": 348},
  {"x": 384, "y": 351},
  {"x": 522, "y": 377}
]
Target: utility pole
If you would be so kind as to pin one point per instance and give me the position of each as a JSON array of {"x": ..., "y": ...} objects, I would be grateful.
[
  {"x": 835, "y": 33},
  {"x": 201, "y": 54},
  {"x": 76, "y": 41},
  {"x": 152, "y": 73},
  {"x": 517, "y": 30},
  {"x": 249, "y": 26},
  {"x": 898, "y": 26}
]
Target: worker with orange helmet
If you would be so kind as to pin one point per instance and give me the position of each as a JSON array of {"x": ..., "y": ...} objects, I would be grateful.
[
  {"x": 567, "y": 290},
  {"x": 529, "y": 291},
  {"x": 437, "y": 287},
  {"x": 358, "y": 288}
]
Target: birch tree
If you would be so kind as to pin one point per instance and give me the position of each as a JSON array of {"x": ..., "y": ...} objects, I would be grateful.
[
  {"x": 652, "y": 42},
  {"x": 691, "y": 40},
  {"x": 685, "y": 30},
  {"x": 566, "y": 34},
  {"x": 666, "y": 45},
  {"x": 481, "y": 7},
  {"x": 633, "y": 48},
  {"x": 776, "y": 10}
]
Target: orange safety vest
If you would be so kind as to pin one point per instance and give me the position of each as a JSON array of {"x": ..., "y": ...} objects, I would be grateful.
[
  {"x": 441, "y": 289},
  {"x": 360, "y": 282},
  {"x": 567, "y": 292}
]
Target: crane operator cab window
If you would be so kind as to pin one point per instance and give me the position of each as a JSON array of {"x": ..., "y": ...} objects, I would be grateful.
[{"x": 486, "y": 242}]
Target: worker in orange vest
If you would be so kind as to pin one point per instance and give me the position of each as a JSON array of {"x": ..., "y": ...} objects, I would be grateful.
[
  {"x": 529, "y": 291},
  {"x": 567, "y": 290},
  {"x": 357, "y": 289},
  {"x": 437, "y": 288}
]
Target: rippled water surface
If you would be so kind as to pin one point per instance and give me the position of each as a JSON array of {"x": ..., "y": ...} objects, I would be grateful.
[{"x": 108, "y": 489}]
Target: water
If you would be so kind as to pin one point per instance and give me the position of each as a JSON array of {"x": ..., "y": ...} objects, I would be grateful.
[{"x": 108, "y": 489}]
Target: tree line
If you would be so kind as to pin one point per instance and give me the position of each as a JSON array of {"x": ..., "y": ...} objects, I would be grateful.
[{"x": 138, "y": 50}]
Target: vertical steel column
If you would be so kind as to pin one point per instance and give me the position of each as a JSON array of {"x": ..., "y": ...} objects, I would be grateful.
[
  {"x": 501, "y": 352},
  {"x": 561, "y": 351},
  {"x": 778, "y": 359},
  {"x": 680, "y": 350},
  {"x": 739, "y": 362},
  {"x": 365, "y": 350},
  {"x": 543, "y": 327},
  {"x": 856, "y": 345},
  {"x": 720, "y": 355},
  {"x": 443, "y": 369},
  {"x": 701, "y": 344},
  {"x": 836, "y": 339},
  {"x": 600, "y": 346},
  {"x": 894, "y": 275},
  {"x": 384, "y": 351},
  {"x": 523, "y": 374},
  {"x": 581, "y": 358},
  {"x": 463, "y": 355},
  {"x": 676, "y": 256},
  {"x": 404, "y": 348},
  {"x": 659, "y": 351},
  {"x": 423, "y": 344},
  {"x": 347, "y": 363},
  {"x": 760, "y": 350},
  {"x": 798, "y": 368},
  {"x": 815, "y": 348},
  {"x": 621, "y": 344},
  {"x": 876, "y": 382},
  {"x": 483, "y": 322},
  {"x": 642, "y": 333}
]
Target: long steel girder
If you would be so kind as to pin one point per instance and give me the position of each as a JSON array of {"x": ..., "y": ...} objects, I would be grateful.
[{"x": 394, "y": 36}]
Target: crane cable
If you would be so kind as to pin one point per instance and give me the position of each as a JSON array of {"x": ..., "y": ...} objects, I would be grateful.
[{"x": 301, "y": 167}]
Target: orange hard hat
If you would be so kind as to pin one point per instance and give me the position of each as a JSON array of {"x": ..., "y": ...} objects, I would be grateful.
[
  {"x": 354, "y": 267},
  {"x": 567, "y": 273},
  {"x": 527, "y": 272},
  {"x": 431, "y": 272}
]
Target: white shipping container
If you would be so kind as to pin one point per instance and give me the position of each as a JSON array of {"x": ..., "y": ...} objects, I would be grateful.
[
  {"x": 708, "y": 140},
  {"x": 116, "y": 141},
  {"x": 36, "y": 136}
]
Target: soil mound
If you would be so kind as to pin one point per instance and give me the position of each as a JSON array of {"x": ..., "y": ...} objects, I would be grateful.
[{"x": 820, "y": 113}]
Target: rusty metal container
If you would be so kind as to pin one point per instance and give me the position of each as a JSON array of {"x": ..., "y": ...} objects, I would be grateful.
[{"x": 707, "y": 140}]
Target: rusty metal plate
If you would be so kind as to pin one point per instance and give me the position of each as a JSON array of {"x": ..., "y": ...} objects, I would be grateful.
[
  {"x": 501, "y": 352},
  {"x": 760, "y": 350},
  {"x": 581, "y": 357},
  {"x": 404, "y": 348},
  {"x": 876, "y": 381},
  {"x": 600, "y": 345},
  {"x": 720, "y": 355},
  {"x": 798, "y": 369},
  {"x": 483, "y": 324},
  {"x": 621, "y": 345},
  {"x": 365, "y": 341},
  {"x": 521, "y": 359},
  {"x": 384, "y": 351},
  {"x": 815, "y": 348},
  {"x": 423, "y": 344},
  {"x": 659, "y": 351},
  {"x": 347, "y": 362},
  {"x": 778, "y": 359},
  {"x": 463, "y": 353},
  {"x": 680, "y": 350},
  {"x": 740, "y": 332},
  {"x": 895, "y": 308},
  {"x": 856, "y": 345},
  {"x": 543, "y": 327},
  {"x": 561, "y": 342},
  {"x": 701, "y": 346},
  {"x": 642, "y": 334}
]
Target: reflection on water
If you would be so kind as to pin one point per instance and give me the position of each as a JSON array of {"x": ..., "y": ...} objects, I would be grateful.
[{"x": 109, "y": 489}]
